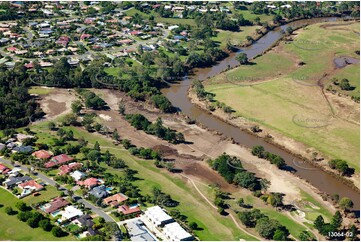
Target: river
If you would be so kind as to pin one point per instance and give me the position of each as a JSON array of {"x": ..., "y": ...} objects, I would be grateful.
[{"x": 177, "y": 94}]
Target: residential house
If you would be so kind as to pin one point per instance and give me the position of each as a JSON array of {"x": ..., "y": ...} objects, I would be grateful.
[
  {"x": 84, "y": 221},
  {"x": 41, "y": 154},
  {"x": 23, "y": 149},
  {"x": 65, "y": 169},
  {"x": 29, "y": 187},
  {"x": 55, "y": 205},
  {"x": 78, "y": 175},
  {"x": 71, "y": 212},
  {"x": 90, "y": 182},
  {"x": 63, "y": 40},
  {"x": 99, "y": 191},
  {"x": 4, "y": 169},
  {"x": 115, "y": 199},
  {"x": 125, "y": 209},
  {"x": 13, "y": 181},
  {"x": 57, "y": 160},
  {"x": 22, "y": 137}
]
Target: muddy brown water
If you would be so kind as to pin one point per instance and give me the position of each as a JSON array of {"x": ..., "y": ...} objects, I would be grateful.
[
  {"x": 341, "y": 62},
  {"x": 177, "y": 94}
]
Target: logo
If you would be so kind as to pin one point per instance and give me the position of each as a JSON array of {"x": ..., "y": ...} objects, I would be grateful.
[{"x": 307, "y": 122}]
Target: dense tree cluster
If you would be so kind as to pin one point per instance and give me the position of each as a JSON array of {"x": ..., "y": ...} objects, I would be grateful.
[
  {"x": 157, "y": 128},
  {"x": 17, "y": 107},
  {"x": 266, "y": 227},
  {"x": 231, "y": 169},
  {"x": 92, "y": 100},
  {"x": 341, "y": 166},
  {"x": 274, "y": 159}
]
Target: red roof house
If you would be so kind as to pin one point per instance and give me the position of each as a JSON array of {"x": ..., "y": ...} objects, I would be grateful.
[
  {"x": 90, "y": 182},
  {"x": 57, "y": 160},
  {"x": 12, "y": 49},
  {"x": 56, "y": 204},
  {"x": 115, "y": 200},
  {"x": 32, "y": 184},
  {"x": 65, "y": 169},
  {"x": 4, "y": 169},
  {"x": 129, "y": 210},
  {"x": 41, "y": 154}
]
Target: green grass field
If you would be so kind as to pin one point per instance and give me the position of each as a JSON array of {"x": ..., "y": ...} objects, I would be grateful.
[
  {"x": 192, "y": 205},
  {"x": 13, "y": 229},
  {"x": 288, "y": 101},
  {"x": 235, "y": 38},
  {"x": 45, "y": 195},
  {"x": 39, "y": 90}
]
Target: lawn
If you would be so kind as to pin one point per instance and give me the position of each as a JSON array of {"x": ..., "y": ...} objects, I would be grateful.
[
  {"x": 173, "y": 21},
  {"x": 235, "y": 38},
  {"x": 39, "y": 90},
  {"x": 45, "y": 195},
  {"x": 13, "y": 229},
  {"x": 192, "y": 205},
  {"x": 282, "y": 102}
]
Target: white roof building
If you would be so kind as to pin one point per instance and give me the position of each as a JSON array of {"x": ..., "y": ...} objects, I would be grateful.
[
  {"x": 78, "y": 175},
  {"x": 175, "y": 232},
  {"x": 157, "y": 216},
  {"x": 71, "y": 212}
]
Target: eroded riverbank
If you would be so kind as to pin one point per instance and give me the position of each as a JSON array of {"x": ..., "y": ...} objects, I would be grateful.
[{"x": 177, "y": 94}]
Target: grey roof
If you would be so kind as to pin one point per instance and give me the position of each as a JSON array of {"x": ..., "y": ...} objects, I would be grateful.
[
  {"x": 86, "y": 221},
  {"x": 23, "y": 149},
  {"x": 99, "y": 191},
  {"x": 138, "y": 232},
  {"x": 17, "y": 180}
]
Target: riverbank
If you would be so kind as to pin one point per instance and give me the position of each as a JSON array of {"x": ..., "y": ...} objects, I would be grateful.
[
  {"x": 273, "y": 137},
  {"x": 279, "y": 139}
]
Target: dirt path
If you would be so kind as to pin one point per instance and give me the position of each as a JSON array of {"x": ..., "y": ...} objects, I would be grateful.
[{"x": 212, "y": 205}]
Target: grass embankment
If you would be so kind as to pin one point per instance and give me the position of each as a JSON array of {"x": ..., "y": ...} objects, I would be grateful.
[
  {"x": 192, "y": 205},
  {"x": 288, "y": 100},
  {"x": 39, "y": 90},
  {"x": 13, "y": 229}
]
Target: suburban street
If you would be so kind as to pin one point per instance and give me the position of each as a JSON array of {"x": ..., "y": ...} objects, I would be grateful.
[{"x": 51, "y": 182}]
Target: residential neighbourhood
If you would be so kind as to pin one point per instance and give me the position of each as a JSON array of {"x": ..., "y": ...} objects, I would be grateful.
[
  {"x": 75, "y": 218},
  {"x": 179, "y": 120}
]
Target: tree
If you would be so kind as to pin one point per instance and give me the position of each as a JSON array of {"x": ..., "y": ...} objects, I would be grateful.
[
  {"x": 242, "y": 58},
  {"x": 9, "y": 210},
  {"x": 21, "y": 206},
  {"x": 319, "y": 222},
  {"x": 76, "y": 107},
  {"x": 306, "y": 236},
  {"x": 121, "y": 107},
  {"x": 45, "y": 225},
  {"x": 280, "y": 235},
  {"x": 33, "y": 222},
  {"x": 51, "y": 125},
  {"x": 353, "y": 233},
  {"x": 346, "y": 203},
  {"x": 289, "y": 30},
  {"x": 246, "y": 179},
  {"x": 336, "y": 220},
  {"x": 193, "y": 225},
  {"x": 345, "y": 85},
  {"x": 116, "y": 135},
  {"x": 266, "y": 227},
  {"x": 97, "y": 146},
  {"x": 57, "y": 232},
  {"x": 94, "y": 155}
]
